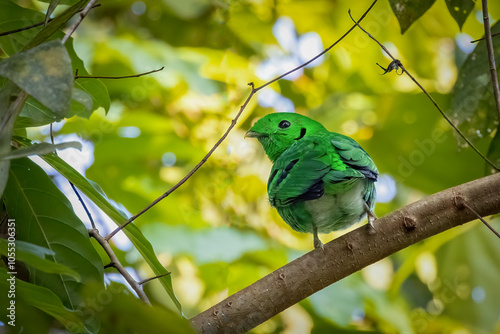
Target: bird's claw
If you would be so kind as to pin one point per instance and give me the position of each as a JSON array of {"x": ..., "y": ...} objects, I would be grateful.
[{"x": 318, "y": 244}]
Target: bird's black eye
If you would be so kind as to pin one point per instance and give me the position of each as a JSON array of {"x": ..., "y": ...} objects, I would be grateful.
[{"x": 284, "y": 124}]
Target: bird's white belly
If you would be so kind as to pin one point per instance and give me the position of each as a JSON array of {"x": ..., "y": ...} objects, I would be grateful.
[{"x": 338, "y": 211}]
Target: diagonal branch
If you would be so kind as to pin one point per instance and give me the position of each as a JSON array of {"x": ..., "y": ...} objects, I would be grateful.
[
  {"x": 395, "y": 64},
  {"x": 233, "y": 123},
  {"x": 347, "y": 254}
]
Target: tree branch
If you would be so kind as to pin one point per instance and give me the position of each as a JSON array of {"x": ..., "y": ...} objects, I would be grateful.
[
  {"x": 347, "y": 254},
  {"x": 233, "y": 123},
  {"x": 122, "y": 77},
  {"x": 94, "y": 233},
  {"x": 395, "y": 64},
  {"x": 491, "y": 56}
]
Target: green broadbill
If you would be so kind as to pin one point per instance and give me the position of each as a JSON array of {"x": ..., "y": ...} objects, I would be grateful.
[{"x": 320, "y": 181}]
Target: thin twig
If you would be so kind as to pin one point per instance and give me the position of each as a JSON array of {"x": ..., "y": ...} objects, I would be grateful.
[
  {"x": 461, "y": 203},
  {"x": 123, "y": 77},
  {"x": 491, "y": 55},
  {"x": 482, "y": 39},
  {"x": 481, "y": 219},
  {"x": 152, "y": 278},
  {"x": 116, "y": 263},
  {"x": 31, "y": 26},
  {"x": 400, "y": 65},
  {"x": 231, "y": 126},
  {"x": 73, "y": 186},
  {"x": 82, "y": 15}
]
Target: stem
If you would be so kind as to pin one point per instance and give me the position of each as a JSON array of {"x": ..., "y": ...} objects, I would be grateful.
[
  {"x": 122, "y": 77},
  {"x": 116, "y": 263}
]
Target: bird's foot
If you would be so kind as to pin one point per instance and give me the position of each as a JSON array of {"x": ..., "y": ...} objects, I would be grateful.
[
  {"x": 371, "y": 219},
  {"x": 318, "y": 244},
  {"x": 371, "y": 227}
]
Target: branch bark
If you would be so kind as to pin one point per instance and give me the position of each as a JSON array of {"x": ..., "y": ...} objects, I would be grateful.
[{"x": 349, "y": 253}]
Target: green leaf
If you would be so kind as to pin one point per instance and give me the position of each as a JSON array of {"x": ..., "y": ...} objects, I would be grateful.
[
  {"x": 131, "y": 231},
  {"x": 50, "y": 10},
  {"x": 35, "y": 114},
  {"x": 34, "y": 256},
  {"x": 44, "y": 217},
  {"x": 408, "y": 11},
  {"x": 56, "y": 24},
  {"x": 460, "y": 9},
  {"x": 39, "y": 149},
  {"x": 473, "y": 106},
  {"x": 43, "y": 299},
  {"x": 44, "y": 72}
]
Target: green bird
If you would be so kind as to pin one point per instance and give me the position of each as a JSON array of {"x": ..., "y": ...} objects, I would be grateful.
[{"x": 320, "y": 181}]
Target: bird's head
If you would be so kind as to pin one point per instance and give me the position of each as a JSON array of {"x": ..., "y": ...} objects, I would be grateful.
[{"x": 278, "y": 131}]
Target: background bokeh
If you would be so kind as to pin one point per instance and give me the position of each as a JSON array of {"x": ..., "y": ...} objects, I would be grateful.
[{"x": 217, "y": 233}]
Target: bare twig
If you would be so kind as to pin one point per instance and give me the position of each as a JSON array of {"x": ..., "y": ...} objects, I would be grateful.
[
  {"x": 482, "y": 39},
  {"x": 82, "y": 15},
  {"x": 31, "y": 26},
  {"x": 461, "y": 203},
  {"x": 231, "y": 126},
  {"x": 152, "y": 278},
  {"x": 122, "y": 77},
  {"x": 116, "y": 263},
  {"x": 491, "y": 56},
  {"x": 396, "y": 63},
  {"x": 73, "y": 186}
]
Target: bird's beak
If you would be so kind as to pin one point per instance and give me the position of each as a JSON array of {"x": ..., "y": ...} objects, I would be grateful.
[{"x": 254, "y": 134}]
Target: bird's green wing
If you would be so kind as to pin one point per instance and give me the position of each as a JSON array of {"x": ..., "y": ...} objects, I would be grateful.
[
  {"x": 353, "y": 156},
  {"x": 297, "y": 174}
]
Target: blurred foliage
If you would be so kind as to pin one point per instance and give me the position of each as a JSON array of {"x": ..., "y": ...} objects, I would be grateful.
[{"x": 217, "y": 233}]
